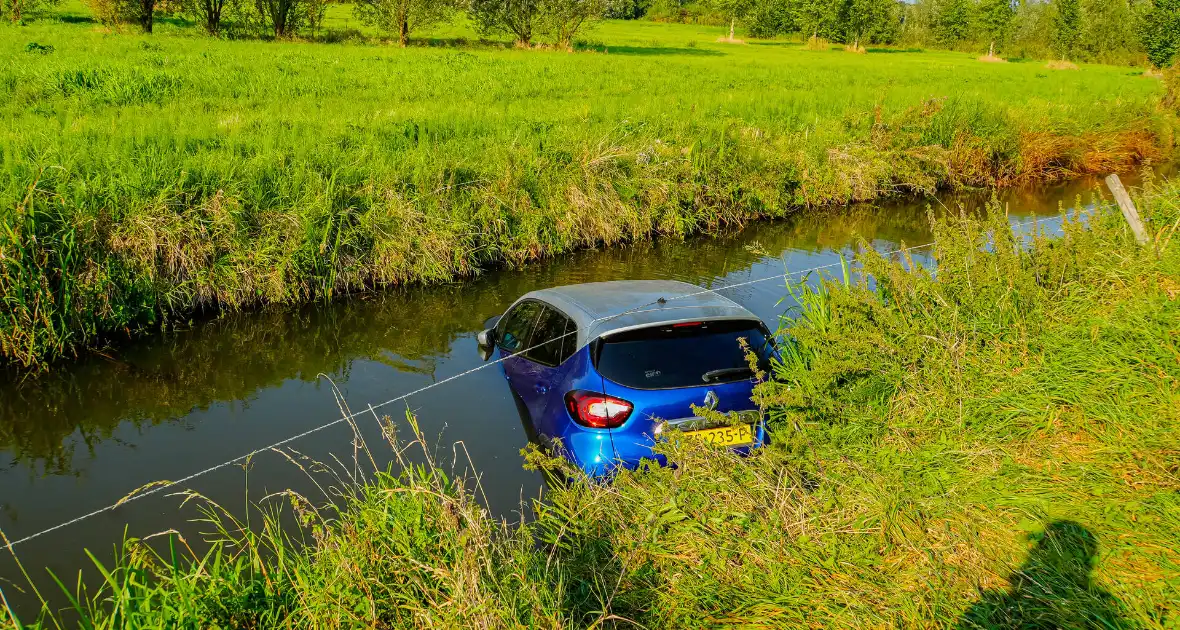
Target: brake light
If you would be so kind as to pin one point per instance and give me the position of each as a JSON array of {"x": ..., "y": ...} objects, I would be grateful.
[
  {"x": 597, "y": 411},
  {"x": 687, "y": 325}
]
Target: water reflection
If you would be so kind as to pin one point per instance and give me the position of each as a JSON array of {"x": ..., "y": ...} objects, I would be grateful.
[{"x": 48, "y": 425}]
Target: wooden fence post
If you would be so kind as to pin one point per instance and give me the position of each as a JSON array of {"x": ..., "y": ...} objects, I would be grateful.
[{"x": 1128, "y": 207}]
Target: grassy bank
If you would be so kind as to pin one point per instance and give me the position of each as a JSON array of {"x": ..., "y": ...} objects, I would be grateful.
[
  {"x": 143, "y": 179},
  {"x": 991, "y": 447}
]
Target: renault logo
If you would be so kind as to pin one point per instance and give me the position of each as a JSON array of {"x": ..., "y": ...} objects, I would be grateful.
[{"x": 711, "y": 401}]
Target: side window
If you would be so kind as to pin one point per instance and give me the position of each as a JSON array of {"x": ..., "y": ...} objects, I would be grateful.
[
  {"x": 554, "y": 334},
  {"x": 517, "y": 325}
]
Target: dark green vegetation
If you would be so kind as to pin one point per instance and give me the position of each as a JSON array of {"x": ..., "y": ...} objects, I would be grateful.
[
  {"x": 145, "y": 179},
  {"x": 1106, "y": 31},
  {"x": 991, "y": 447},
  {"x": 1160, "y": 30}
]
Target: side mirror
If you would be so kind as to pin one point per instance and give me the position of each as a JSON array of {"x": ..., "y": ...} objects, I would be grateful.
[{"x": 486, "y": 340}]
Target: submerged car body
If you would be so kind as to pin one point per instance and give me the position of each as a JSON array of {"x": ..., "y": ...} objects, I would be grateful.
[{"x": 605, "y": 368}]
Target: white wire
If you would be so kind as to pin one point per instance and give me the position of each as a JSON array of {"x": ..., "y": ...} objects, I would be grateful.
[{"x": 169, "y": 484}]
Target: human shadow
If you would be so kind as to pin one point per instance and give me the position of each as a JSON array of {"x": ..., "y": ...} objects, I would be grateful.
[{"x": 1052, "y": 589}]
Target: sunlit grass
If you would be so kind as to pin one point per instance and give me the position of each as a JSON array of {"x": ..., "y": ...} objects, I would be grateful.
[
  {"x": 990, "y": 447},
  {"x": 173, "y": 173}
]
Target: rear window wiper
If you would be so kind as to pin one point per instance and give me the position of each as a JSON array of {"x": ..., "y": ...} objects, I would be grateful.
[{"x": 714, "y": 375}]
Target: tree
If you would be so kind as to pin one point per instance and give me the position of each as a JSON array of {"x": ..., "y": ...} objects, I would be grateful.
[
  {"x": 1031, "y": 32},
  {"x": 867, "y": 20},
  {"x": 768, "y": 18},
  {"x": 1108, "y": 32},
  {"x": 917, "y": 23},
  {"x": 514, "y": 17},
  {"x": 560, "y": 20},
  {"x": 626, "y": 9},
  {"x": 145, "y": 13},
  {"x": 208, "y": 12},
  {"x": 996, "y": 17},
  {"x": 16, "y": 10},
  {"x": 1067, "y": 26},
  {"x": 403, "y": 16},
  {"x": 282, "y": 17},
  {"x": 734, "y": 10},
  {"x": 111, "y": 12},
  {"x": 952, "y": 21},
  {"x": 821, "y": 18},
  {"x": 1160, "y": 32},
  {"x": 108, "y": 12}
]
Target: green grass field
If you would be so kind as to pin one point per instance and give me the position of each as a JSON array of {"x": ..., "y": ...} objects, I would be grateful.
[
  {"x": 145, "y": 178},
  {"x": 994, "y": 447}
]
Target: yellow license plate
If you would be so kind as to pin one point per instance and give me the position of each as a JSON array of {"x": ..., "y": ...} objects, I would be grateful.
[{"x": 737, "y": 435}]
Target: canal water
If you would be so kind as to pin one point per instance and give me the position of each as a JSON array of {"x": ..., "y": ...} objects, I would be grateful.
[{"x": 163, "y": 408}]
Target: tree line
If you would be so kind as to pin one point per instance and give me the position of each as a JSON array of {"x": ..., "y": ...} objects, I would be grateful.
[
  {"x": 1107, "y": 31},
  {"x": 1103, "y": 31},
  {"x": 526, "y": 21}
]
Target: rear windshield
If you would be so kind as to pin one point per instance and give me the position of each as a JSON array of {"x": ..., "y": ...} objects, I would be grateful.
[{"x": 683, "y": 355}]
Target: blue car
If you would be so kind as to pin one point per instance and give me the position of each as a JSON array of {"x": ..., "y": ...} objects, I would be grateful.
[{"x": 606, "y": 368}]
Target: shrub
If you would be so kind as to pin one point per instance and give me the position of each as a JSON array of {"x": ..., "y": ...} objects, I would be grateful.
[
  {"x": 1160, "y": 32},
  {"x": 1172, "y": 88},
  {"x": 17, "y": 10},
  {"x": 111, "y": 12},
  {"x": 512, "y": 17},
  {"x": 560, "y": 20},
  {"x": 403, "y": 16}
]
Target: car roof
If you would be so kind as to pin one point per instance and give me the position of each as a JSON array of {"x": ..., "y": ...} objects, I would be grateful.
[{"x": 604, "y": 308}]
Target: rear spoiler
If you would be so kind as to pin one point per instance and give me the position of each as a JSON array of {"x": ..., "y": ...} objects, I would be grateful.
[{"x": 685, "y": 320}]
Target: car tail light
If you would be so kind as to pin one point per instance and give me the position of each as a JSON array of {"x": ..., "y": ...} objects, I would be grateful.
[{"x": 597, "y": 410}]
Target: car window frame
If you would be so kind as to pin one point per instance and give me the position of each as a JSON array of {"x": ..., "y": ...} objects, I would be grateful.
[
  {"x": 571, "y": 329},
  {"x": 525, "y": 344},
  {"x": 597, "y": 344}
]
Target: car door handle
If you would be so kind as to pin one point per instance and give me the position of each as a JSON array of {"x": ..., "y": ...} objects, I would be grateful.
[{"x": 541, "y": 388}]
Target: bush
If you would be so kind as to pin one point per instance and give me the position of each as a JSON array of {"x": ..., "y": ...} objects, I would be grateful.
[
  {"x": 18, "y": 10},
  {"x": 560, "y": 20},
  {"x": 111, "y": 12},
  {"x": 517, "y": 18},
  {"x": 626, "y": 9},
  {"x": 1172, "y": 88},
  {"x": 1160, "y": 32},
  {"x": 400, "y": 17},
  {"x": 768, "y": 19}
]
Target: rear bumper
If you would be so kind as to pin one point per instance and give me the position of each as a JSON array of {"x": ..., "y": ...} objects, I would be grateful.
[
  {"x": 590, "y": 450},
  {"x": 631, "y": 453}
]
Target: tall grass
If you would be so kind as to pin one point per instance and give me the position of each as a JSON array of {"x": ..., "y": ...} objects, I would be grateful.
[
  {"x": 144, "y": 179},
  {"x": 987, "y": 444}
]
